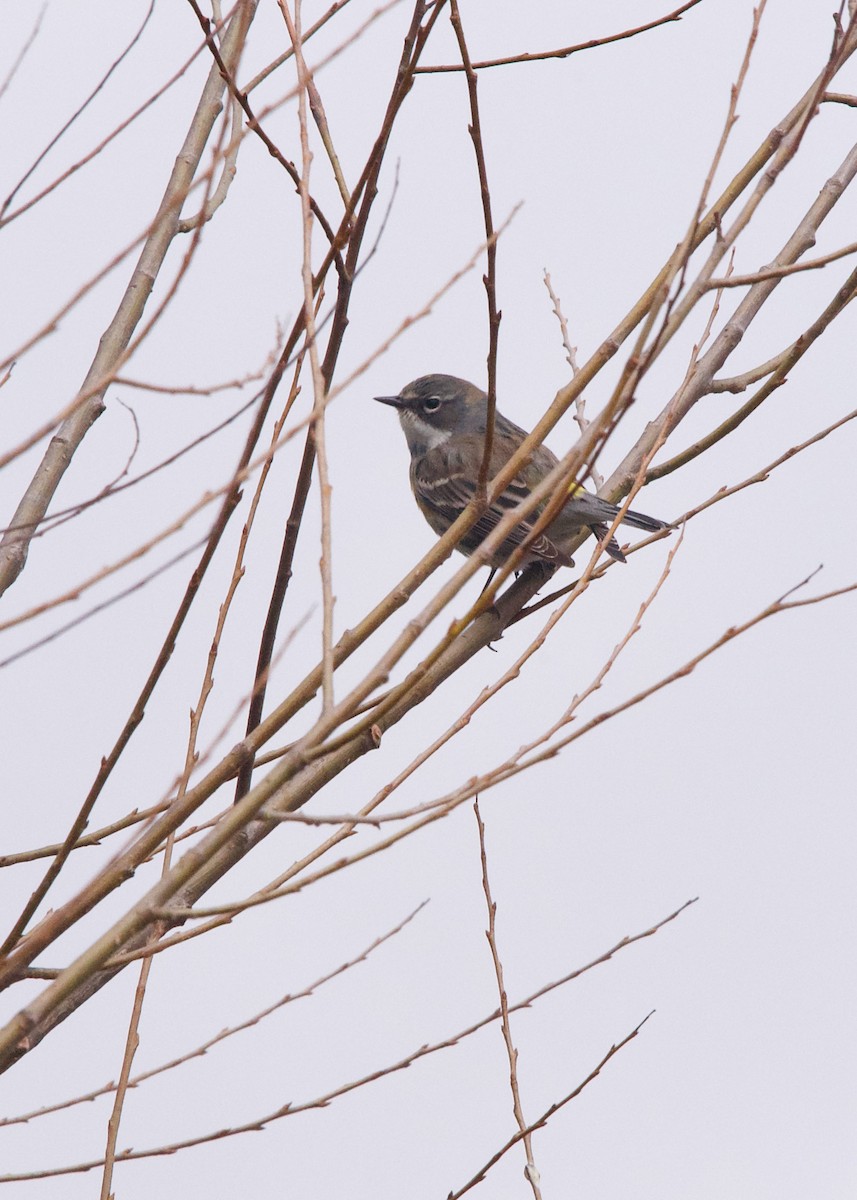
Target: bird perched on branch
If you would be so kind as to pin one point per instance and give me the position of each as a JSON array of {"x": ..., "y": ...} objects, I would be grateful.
[{"x": 445, "y": 421}]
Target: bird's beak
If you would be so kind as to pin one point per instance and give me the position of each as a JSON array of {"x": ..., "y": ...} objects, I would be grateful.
[{"x": 393, "y": 401}]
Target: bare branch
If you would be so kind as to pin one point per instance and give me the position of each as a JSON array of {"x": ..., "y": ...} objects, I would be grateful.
[
  {"x": 780, "y": 272},
  {"x": 6, "y": 218},
  {"x": 22, "y": 53},
  {"x": 224, "y": 1034},
  {"x": 383, "y": 1072},
  {"x": 545, "y": 1117},
  {"x": 777, "y": 369},
  {"x": 566, "y": 51},
  {"x": 530, "y": 1170},
  {"x": 318, "y": 380},
  {"x": 839, "y": 98},
  {"x": 31, "y": 509},
  {"x": 490, "y": 277},
  {"x": 68, "y": 124}
]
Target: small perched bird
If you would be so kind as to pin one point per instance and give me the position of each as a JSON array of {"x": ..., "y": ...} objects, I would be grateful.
[{"x": 445, "y": 421}]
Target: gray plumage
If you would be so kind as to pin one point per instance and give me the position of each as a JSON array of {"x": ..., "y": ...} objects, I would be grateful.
[{"x": 445, "y": 421}]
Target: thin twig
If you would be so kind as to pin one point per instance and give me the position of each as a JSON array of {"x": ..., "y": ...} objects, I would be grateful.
[
  {"x": 571, "y": 358},
  {"x": 116, "y": 339},
  {"x": 227, "y": 175},
  {"x": 566, "y": 51},
  {"x": 74, "y": 116},
  {"x": 530, "y": 1170},
  {"x": 393, "y": 1068},
  {"x": 318, "y": 382},
  {"x": 116, "y": 598},
  {"x": 780, "y": 272},
  {"x": 740, "y": 383},
  {"x": 490, "y": 277},
  {"x": 224, "y": 1034},
  {"x": 22, "y": 54},
  {"x": 840, "y": 98},
  {"x": 697, "y": 384},
  {"x": 545, "y": 1117},
  {"x": 287, "y": 54},
  {"x": 352, "y": 228},
  {"x": 133, "y": 1039},
  {"x": 762, "y": 475},
  {"x": 292, "y": 762},
  {"x": 777, "y": 370},
  {"x": 253, "y": 120}
]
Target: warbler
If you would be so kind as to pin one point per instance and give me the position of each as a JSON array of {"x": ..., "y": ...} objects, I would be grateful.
[{"x": 445, "y": 421}]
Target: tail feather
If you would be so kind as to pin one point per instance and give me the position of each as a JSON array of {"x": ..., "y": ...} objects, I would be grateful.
[
  {"x": 637, "y": 520},
  {"x": 592, "y": 510},
  {"x": 612, "y": 547},
  {"x": 585, "y": 509},
  {"x": 641, "y": 521}
]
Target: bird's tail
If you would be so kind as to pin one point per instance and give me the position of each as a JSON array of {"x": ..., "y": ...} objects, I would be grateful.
[
  {"x": 641, "y": 521},
  {"x": 638, "y": 520},
  {"x": 612, "y": 547},
  {"x": 586, "y": 509}
]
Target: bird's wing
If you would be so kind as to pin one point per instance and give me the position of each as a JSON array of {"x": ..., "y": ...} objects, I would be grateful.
[{"x": 444, "y": 487}]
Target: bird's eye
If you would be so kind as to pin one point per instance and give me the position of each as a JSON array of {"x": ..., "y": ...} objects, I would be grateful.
[{"x": 431, "y": 404}]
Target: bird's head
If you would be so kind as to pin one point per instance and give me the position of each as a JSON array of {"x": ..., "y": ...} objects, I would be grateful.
[{"x": 434, "y": 407}]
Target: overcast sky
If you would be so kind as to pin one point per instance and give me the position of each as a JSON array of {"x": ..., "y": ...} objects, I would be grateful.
[{"x": 734, "y": 785}]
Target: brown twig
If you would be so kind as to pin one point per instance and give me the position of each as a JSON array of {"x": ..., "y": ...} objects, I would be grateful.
[
  {"x": 780, "y": 272},
  {"x": 490, "y": 277},
  {"x": 318, "y": 380},
  {"x": 782, "y": 145},
  {"x": 303, "y": 779},
  {"x": 571, "y": 358},
  {"x": 86, "y": 841},
  {"x": 22, "y": 53},
  {"x": 530, "y": 1170},
  {"x": 61, "y": 515},
  {"x": 133, "y": 1038},
  {"x": 287, "y": 54},
  {"x": 566, "y": 51},
  {"x": 253, "y": 121},
  {"x": 353, "y": 227},
  {"x": 191, "y": 389},
  {"x": 116, "y": 598},
  {"x": 117, "y": 62},
  {"x": 839, "y": 98},
  {"x": 224, "y": 1034},
  {"x": 546, "y": 1116},
  {"x": 698, "y": 382},
  {"x": 402, "y": 1064},
  {"x": 115, "y": 340},
  {"x": 780, "y": 369},
  {"x": 762, "y": 475}
]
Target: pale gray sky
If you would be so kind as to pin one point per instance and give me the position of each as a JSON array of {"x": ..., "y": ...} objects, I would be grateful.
[{"x": 735, "y": 785}]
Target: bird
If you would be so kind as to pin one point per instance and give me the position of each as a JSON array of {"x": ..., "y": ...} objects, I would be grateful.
[{"x": 445, "y": 420}]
